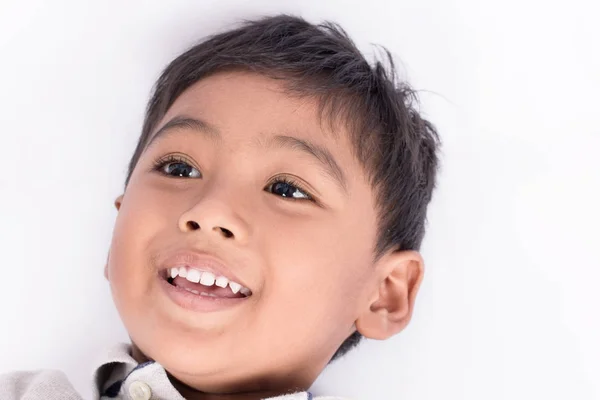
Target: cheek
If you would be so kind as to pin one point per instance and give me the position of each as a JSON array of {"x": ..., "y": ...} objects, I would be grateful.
[
  {"x": 316, "y": 275},
  {"x": 138, "y": 222},
  {"x": 310, "y": 299}
]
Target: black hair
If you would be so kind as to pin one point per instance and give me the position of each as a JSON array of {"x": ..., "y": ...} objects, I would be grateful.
[{"x": 395, "y": 145}]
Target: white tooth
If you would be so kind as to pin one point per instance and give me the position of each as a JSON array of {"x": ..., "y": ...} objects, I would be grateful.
[
  {"x": 207, "y": 279},
  {"x": 174, "y": 272},
  {"x": 193, "y": 275},
  {"x": 222, "y": 282},
  {"x": 182, "y": 272},
  {"x": 194, "y": 291},
  {"x": 203, "y": 293},
  {"x": 235, "y": 287},
  {"x": 245, "y": 291}
]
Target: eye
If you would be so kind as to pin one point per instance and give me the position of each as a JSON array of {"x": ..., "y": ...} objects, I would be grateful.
[
  {"x": 176, "y": 166},
  {"x": 288, "y": 188}
]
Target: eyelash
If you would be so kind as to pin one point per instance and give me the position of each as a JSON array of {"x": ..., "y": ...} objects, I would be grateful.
[
  {"x": 294, "y": 183},
  {"x": 161, "y": 162}
]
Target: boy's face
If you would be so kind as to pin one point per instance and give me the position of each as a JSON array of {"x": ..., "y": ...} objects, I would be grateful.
[{"x": 308, "y": 263}]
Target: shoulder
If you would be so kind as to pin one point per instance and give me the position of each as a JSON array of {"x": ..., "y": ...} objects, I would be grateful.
[{"x": 34, "y": 385}]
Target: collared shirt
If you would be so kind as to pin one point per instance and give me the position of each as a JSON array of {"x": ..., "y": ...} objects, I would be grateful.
[{"x": 118, "y": 376}]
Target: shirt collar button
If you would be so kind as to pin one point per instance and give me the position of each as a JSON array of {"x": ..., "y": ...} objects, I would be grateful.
[{"x": 139, "y": 391}]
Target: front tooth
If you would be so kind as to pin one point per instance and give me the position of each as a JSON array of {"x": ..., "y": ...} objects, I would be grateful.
[
  {"x": 235, "y": 287},
  {"x": 208, "y": 279},
  {"x": 182, "y": 272},
  {"x": 222, "y": 282},
  {"x": 193, "y": 275},
  {"x": 174, "y": 272}
]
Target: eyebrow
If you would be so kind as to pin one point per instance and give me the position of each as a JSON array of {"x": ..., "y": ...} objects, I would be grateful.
[
  {"x": 187, "y": 123},
  {"x": 320, "y": 153},
  {"x": 325, "y": 158}
]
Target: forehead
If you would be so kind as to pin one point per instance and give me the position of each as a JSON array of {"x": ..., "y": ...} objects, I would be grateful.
[{"x": 245, "y": 106}]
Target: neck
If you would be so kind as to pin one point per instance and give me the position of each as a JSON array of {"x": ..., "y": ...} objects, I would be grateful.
[{"x": 192, "y": 394}]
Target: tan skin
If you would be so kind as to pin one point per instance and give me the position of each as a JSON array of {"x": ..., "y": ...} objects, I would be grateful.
[{"x": 309, "y": 262}]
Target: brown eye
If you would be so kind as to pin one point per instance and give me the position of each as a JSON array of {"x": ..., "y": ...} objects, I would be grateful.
[
  {"x": 176, "y": 166},
  {"x": 284, "y": 188},
  {"x": 180, "y": 170}
]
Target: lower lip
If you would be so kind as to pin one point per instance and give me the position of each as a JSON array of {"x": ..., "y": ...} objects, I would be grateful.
[{"x": 195, "y": 302}]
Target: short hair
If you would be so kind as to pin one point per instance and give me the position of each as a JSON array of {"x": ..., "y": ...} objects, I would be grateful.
[{"x": 396, "y": 147}]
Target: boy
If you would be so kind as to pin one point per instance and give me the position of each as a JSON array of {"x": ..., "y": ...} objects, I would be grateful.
[{"x": 271, "y": 217}]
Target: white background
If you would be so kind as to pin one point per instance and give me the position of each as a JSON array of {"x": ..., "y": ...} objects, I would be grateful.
[{"x": 509, "y": 306}]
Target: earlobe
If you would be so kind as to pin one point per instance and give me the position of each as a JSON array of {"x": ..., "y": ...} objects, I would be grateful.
[
  {"x": 394, "y": 296},
  {"x": 118, "y": 202}
]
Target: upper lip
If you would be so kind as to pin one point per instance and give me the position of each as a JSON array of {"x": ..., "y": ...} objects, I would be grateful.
[{"x": 201, "y": 261}]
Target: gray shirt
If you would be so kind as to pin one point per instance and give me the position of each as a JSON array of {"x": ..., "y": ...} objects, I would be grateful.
[{"x": 118, "y": 376}]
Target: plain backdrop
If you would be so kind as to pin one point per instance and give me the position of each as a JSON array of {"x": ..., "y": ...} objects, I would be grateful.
[{"x": 509, "y": 305}]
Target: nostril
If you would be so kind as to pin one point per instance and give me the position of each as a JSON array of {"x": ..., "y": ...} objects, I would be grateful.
[
  {"x": 226, "y": 232},
  {"x": 192, "y": 225}
]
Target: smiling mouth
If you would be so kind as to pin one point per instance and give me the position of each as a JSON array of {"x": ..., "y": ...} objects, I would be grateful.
[{"x": 205, "y": 283}]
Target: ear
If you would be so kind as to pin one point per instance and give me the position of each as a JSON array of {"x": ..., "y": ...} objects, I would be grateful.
[
  {"x": 393, "y": 296},
  {"x": 106, "y": 266},
  {"x": 118, "y": 202},
  {"x": 106, "y": 270}
]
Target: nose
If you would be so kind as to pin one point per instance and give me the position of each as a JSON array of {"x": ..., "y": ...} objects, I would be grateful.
[{"x": 214, "y": 217}]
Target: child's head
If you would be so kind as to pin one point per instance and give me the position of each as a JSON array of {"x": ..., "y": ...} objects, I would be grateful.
[{"x": 276, "y": 156}]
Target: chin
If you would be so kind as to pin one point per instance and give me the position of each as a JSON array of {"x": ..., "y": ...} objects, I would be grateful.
[
  {"x": 193, "y": 354},
  {"x": 212, "y": 370}
]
